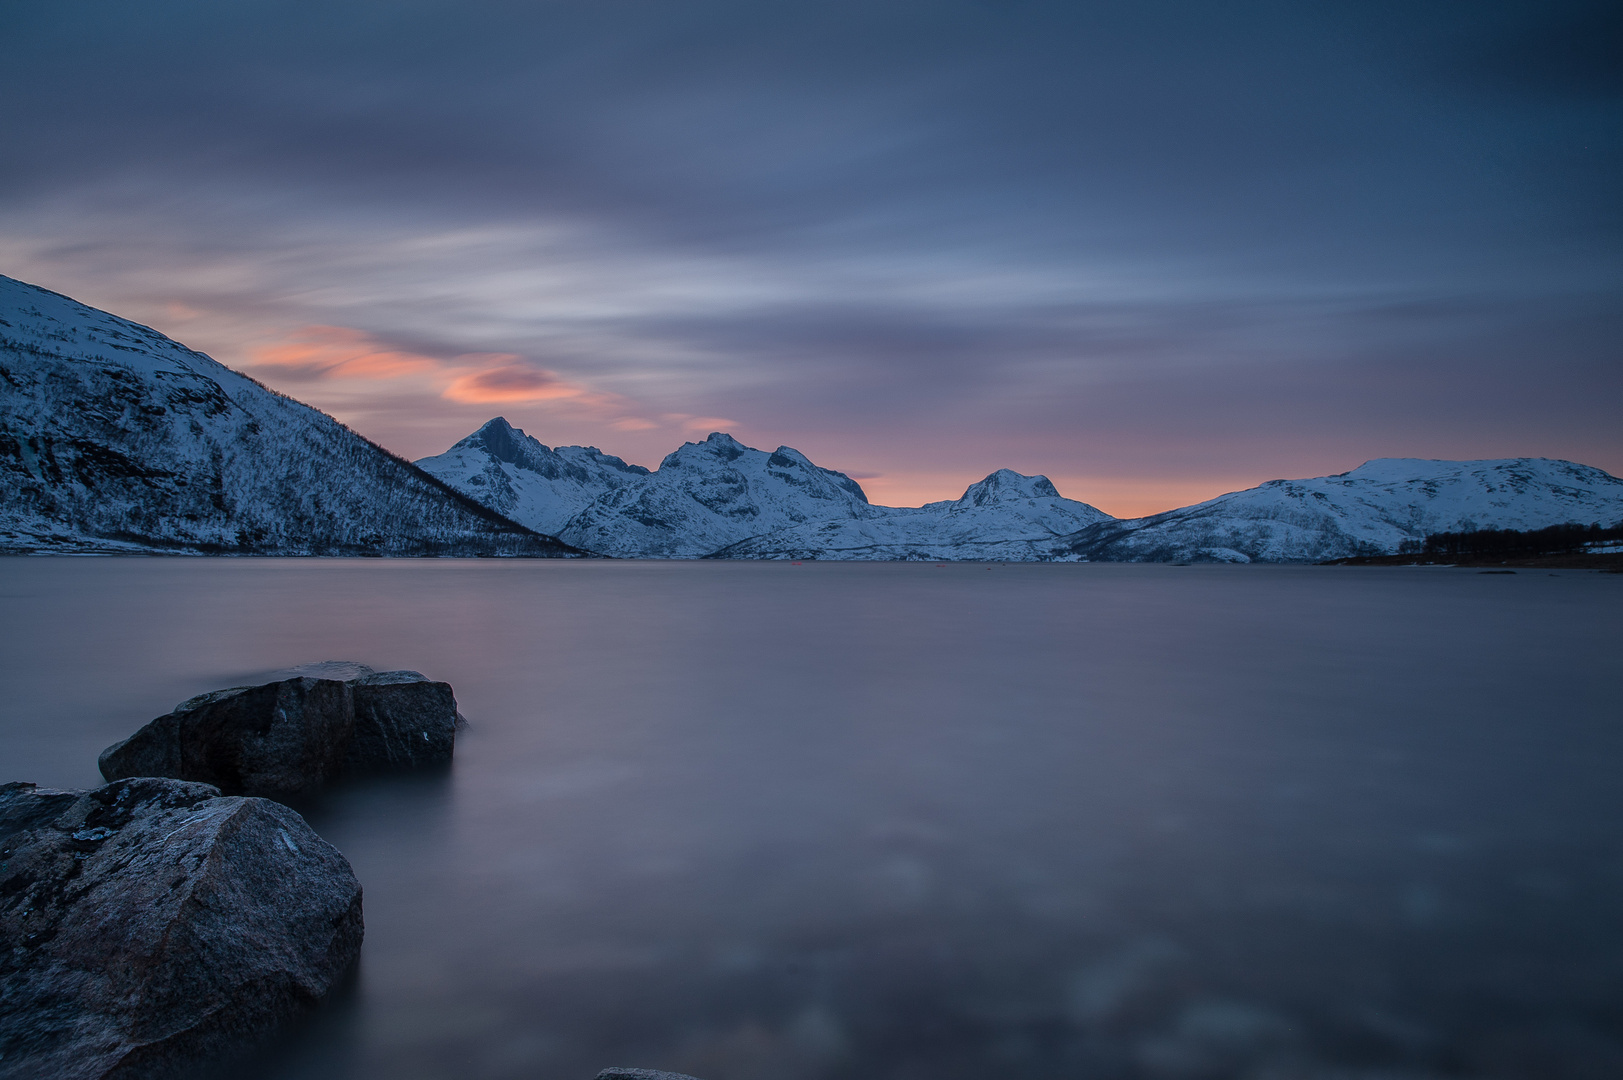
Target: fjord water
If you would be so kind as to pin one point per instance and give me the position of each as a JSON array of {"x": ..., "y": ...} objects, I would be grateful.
[{"x": 902, "y": 821}]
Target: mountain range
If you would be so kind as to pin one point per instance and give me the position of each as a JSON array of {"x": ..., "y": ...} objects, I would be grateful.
[
  {"x": 721, "y": 499},
  {"x": 116, "y": 438}
]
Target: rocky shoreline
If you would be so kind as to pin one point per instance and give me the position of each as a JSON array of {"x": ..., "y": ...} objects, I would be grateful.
[
  {"x": 176, "y": 915},
  {"x": 179, "y": 914}
]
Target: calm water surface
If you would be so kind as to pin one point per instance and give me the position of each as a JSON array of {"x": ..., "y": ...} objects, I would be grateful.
[{"x": 903, "y": 822}]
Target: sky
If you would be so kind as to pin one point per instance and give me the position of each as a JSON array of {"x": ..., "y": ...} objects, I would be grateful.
[{"x": 1154, "y": 251}]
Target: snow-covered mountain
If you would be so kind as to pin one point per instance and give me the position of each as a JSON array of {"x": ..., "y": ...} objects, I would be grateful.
[
  {"x": 708, "y": 495},
  {"x": 521, "y": 478},
  {"x": 115, "y": 438},
  {"x": 1369, "y": 511},
  {"x": 1006, "y": 517},
  {"x": 721, "y": 499}
]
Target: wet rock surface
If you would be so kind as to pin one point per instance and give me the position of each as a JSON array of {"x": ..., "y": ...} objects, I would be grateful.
[
  {"x": 295, "y": 735},
  {"x": 153, "y": 924},
  {"x": 640, "y": 1074}
]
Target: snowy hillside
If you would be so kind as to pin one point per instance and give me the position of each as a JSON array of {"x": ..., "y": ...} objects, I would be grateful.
[
  {"x": 1006, "y": 517},
  {"x": 115, "y": 438},
  {"x": 520, "y": 478},
  {"x": 1368, "y": 511}
]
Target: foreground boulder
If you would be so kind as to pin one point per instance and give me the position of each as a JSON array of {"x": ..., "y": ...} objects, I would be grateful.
[
  {"x": 151, "y": 924},
  {"x": 293, "y": 736}
]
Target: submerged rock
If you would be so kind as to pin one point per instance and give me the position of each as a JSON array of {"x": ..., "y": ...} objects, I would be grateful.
[
  {"x": 153, "y": 923},
  {"x": 293, "y": 736}
]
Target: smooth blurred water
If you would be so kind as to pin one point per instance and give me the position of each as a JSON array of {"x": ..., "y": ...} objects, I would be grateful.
[{"x": 908, "y": 822}]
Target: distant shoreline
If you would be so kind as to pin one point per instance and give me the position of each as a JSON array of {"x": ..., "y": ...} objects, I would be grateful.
[{"x": 1611, "y": 562}]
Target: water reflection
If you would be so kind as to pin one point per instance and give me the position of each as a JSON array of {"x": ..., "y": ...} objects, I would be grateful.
[{"x": 890, "y": 822}]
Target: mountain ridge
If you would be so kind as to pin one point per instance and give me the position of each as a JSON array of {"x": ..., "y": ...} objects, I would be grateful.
[
  {"x": 114, "y": 438},
  {"x": 713, "y": 511},
  {"x": 717, "y": 498}
]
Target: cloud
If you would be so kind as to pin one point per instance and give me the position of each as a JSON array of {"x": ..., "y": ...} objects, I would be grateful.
[
  {"x": 705, "y": 424},
  {"x": 1115, "y": 239},
  {"x": 342, "y": 354},
  {"x": 338, "y": 352},
  {"x": 510, "y": 382}
]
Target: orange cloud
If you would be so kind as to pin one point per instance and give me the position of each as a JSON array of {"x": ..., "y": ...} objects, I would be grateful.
[
  {"x": 708, "y": 424},
  {"x": 338, "y": 352},
  {"x": 346, "y": 357},
  {"x": 509, "y": 382}
]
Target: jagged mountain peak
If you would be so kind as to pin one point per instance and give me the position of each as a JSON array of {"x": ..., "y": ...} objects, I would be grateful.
[
  {"x": 520, "y": 477},
  {"x": 711, "y": 494},
  {"x": 502, "y": 441},
  {"x": 506, "y": 443},
  {"x": 1006, "y": 484},
  {"x": 721, "y": 449},
  {"x": 718, "y": 445},
  {"x": 497, "y": 423}
]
